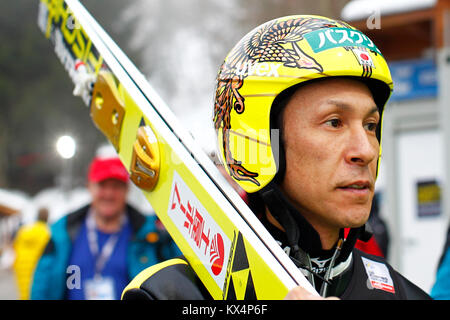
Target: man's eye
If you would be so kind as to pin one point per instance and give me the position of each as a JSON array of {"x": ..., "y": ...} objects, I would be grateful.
[
  {"x": 335, "y": 123},
  {"x": 372, "y": 126}
]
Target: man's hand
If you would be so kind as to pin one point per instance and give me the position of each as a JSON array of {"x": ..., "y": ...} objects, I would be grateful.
[{"x": 299, "y": 293}]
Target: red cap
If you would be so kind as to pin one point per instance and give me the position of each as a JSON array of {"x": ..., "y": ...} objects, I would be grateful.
[{"x": 107, "y": 168}]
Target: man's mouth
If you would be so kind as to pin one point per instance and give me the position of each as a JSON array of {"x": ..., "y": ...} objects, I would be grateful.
[{"x": 357, "y": 185}]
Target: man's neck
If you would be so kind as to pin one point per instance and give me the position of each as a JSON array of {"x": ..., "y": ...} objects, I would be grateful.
[{"x": 328, "y": 236}]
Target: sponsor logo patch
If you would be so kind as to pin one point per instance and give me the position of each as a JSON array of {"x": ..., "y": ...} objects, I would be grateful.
[{"x": 324, "y": 39}]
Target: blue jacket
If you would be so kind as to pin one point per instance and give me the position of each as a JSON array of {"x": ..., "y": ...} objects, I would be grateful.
[
  {"x": 441, "y": 288},
  {"x": 51, "y": 273}
]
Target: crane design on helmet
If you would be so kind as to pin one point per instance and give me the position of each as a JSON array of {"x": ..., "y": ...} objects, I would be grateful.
[{"x": 265, "y": 44}]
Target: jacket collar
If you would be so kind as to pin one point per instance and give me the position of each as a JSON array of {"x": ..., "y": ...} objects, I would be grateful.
[{"x": 76, "y": 218}]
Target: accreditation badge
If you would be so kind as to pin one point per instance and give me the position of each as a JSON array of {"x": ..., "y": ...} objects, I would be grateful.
[
  {"x": 99, "y": 288},
  {"x": 378, "y": 275}
]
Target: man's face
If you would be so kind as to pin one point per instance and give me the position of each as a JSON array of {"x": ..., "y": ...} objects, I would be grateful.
[
  {"x": 331, "y": 152},
  {"x": 108, "y": 197}
]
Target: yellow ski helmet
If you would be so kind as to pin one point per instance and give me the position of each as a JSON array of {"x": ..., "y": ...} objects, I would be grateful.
[{"x": 271, "y": 58}]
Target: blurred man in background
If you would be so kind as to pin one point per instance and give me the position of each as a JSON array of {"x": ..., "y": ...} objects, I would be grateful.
[{"x": 95, "y": 251}]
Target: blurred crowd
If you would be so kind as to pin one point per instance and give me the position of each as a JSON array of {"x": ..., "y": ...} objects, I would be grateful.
[{"x": 89, "y": 252}]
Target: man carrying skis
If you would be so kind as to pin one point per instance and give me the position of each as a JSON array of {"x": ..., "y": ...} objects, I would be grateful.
[{"x": 321, "y": 87}]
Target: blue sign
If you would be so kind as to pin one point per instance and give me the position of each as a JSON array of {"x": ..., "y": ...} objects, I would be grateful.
[{"x": 414, "y": 79}]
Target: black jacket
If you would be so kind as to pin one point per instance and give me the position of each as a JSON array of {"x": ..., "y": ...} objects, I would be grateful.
[{"x": 175, "y": 280}]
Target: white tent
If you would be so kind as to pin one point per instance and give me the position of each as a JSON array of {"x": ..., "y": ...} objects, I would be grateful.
[{"x": 13, "y": 201}]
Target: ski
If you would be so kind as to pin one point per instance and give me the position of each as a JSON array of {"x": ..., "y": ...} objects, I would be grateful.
[{"x": 227, "y": 246}]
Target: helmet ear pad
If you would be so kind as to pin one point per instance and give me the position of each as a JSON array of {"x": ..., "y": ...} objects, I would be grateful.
[{"x": 380, "y": 93}]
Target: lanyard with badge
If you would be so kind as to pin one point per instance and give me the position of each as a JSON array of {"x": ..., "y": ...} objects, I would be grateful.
[{"x": 100, "y": 287}]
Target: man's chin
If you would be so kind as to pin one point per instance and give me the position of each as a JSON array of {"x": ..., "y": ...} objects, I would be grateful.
[
  {"x": 108, "y": 212},
  {"x": 355, "y": 221}
]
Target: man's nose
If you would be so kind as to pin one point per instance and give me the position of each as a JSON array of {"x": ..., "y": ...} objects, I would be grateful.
[{"x": 362, "y": 147}]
